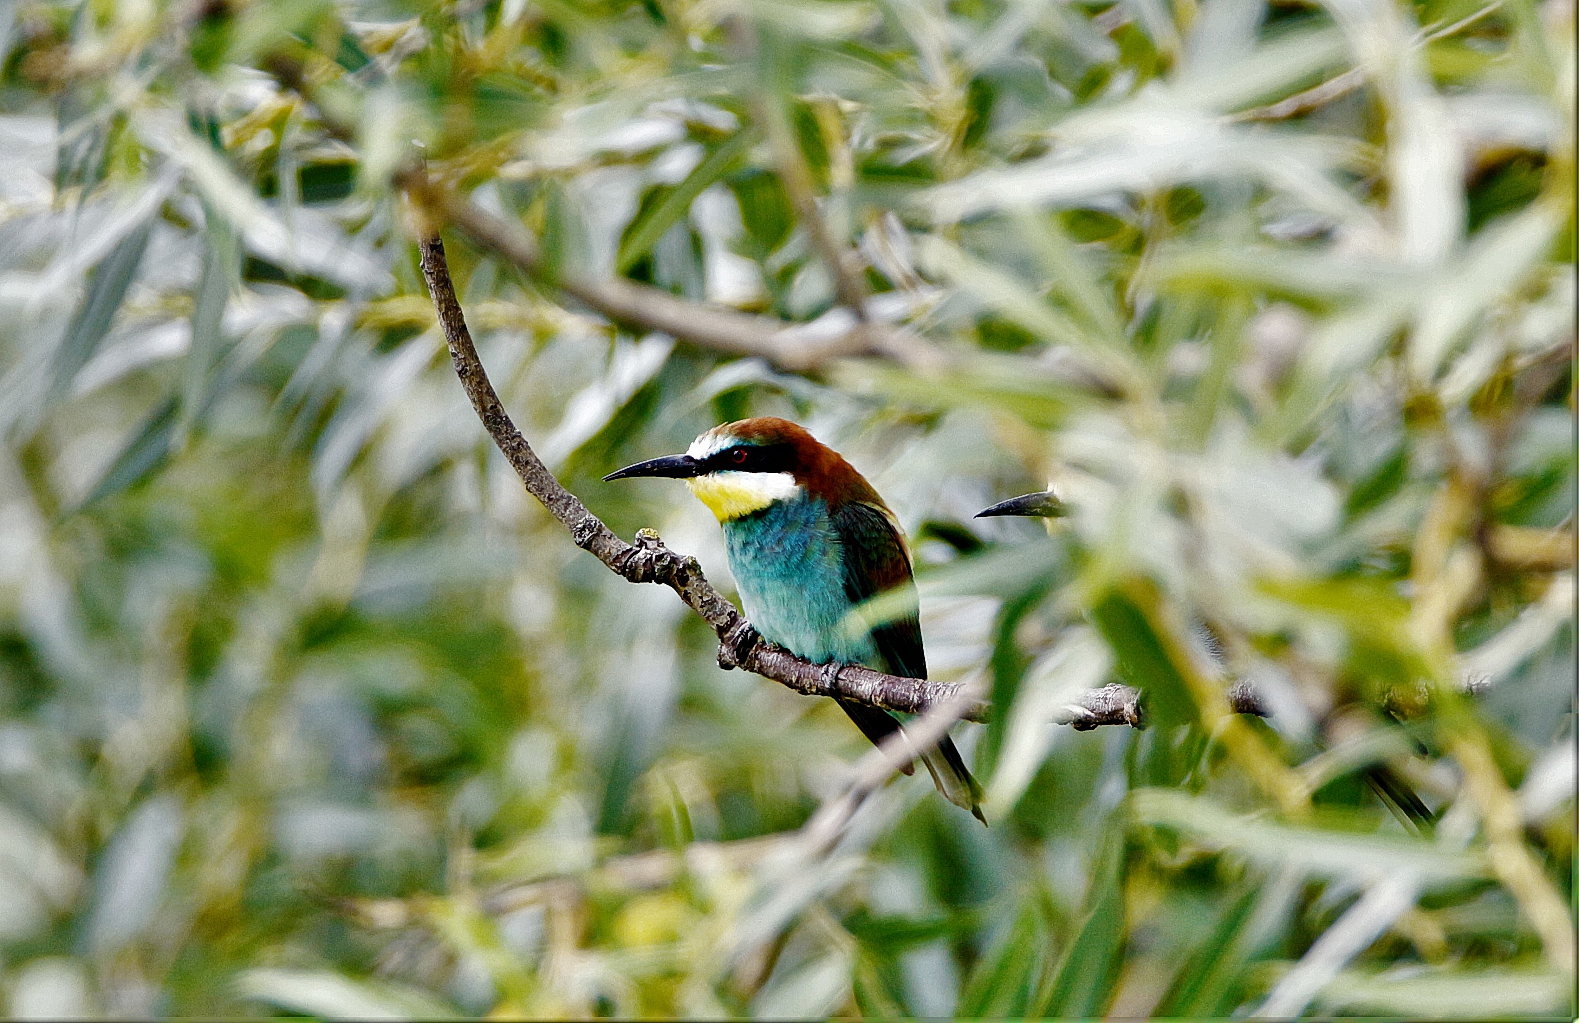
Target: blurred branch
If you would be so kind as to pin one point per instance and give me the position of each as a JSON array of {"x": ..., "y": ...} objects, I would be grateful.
[
  {"x": 1340, "y": 86},
  {"x": 1118, "y": 704},
  {"x": 795, "y": 347},
  {"x": 796, "y": 176},
  {"x": 1357, "y": 929},
  {"x": 1511, "y": 860},
  {"x": 1530, "y": 549},
  {"x": 648, "y": 560},
  {"x": 1304, "y": 102},
  {"x": 791, "y": 346},
  {"x": 877, "y": 766}
]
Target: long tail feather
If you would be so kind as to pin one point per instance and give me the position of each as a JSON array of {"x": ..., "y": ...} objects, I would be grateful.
[
  {"x": 952, "y": 778},
  {"x": 943, "y": 762}
]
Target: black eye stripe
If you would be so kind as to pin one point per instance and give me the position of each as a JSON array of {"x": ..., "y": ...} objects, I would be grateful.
[{"x": 752, "y": 458}]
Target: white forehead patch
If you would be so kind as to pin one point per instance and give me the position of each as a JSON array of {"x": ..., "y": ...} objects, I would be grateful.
[{"x": 709, "y": 443}]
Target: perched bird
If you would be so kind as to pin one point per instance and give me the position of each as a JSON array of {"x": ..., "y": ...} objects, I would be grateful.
[
  {"x": 808, "y": 541},
  {"x": 1394, "y": 792}
]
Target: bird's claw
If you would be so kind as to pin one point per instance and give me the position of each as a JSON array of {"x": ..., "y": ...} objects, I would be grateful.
[{"x": 732, "y": 649}]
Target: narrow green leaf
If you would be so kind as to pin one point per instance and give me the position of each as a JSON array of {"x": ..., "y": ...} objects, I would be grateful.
[
  {"x": 106, "y": 291},
  {"x": 1061, "y": 263},
  {"x": 141, "y": 455},
  {"x": 1372, "y": 610},
  {"x": 1005, "y": 979},
  {"x": 1275, "y": 68},
  {"x": 1008, "y": 664},
  {"x": 1143, "y": 659},
  {"x": 648, "y": 227},
  {"x": 872, "y": 993},
  {"x": 890, "y": 935},
  {"x": 1324, "y": 851},
  {"x": 1087, "y": 977},
  {"x": 1500, "y": 258},
  {"x": 329, "y": 995},
  {"x": 1451, "y": 994},
  {"x": 982, "y": 382},
  {"x": 812, "y": 990},
  {"x": 999, "y": 290},
  {"x": 1306, "y": 276},
  {"x": 220, "y": 273},
  {"x": 1201, "y": 984}
]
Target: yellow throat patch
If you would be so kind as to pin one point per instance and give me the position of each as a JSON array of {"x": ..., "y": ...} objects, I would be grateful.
[{"x": 731, "y": 495}]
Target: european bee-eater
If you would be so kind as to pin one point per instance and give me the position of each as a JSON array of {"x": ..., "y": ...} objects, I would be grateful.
[
  {"x": 1395, "y": 793},
  {"x": 809, "y": 540}
]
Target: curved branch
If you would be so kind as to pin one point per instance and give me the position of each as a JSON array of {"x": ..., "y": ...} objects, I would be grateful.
[{"x": 648, "y": 560}]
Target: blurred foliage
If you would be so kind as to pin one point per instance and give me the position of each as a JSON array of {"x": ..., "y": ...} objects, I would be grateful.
[{"x": 308, "y": 708}]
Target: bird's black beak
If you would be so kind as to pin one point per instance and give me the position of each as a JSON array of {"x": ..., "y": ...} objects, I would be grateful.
[
  {"x": 675, "y": 467},
  {"x": 1044, "y": 505}
]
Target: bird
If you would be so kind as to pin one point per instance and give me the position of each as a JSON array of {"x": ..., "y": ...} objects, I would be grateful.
[
  {"x": 808, "y": 540},
  {"x": 1394, "y": 792}
]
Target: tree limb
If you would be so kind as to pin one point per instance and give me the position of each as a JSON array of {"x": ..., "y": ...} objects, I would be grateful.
[
  {"x": 1118, "y": 704},
  {"x": 794, "y": 347}
]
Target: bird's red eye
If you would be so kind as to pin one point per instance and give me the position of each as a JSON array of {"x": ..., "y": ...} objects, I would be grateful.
[{"x": 738, "y": 456}]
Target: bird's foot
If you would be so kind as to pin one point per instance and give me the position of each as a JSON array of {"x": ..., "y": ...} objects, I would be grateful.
[
  {"x": 830, "y": 676},
  {"x": 734, "y": 647}
]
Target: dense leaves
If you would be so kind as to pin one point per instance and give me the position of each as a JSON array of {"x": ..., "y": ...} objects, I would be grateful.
[{"x": 304, "y": 706}]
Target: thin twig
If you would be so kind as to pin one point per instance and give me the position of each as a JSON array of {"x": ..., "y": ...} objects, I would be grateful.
[
  {"x": 1304, "y": 102},
  {"x": 1511, "y": 860},
  {"x": 822, "y": 831},
  {"x": 1337, "y": 87},
  {"x": 796, "y": 176},
  {"x": 794, "y": 347}
]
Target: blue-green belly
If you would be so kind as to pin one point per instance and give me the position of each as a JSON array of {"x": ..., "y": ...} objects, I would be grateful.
[{"x": 786, "y": 563}]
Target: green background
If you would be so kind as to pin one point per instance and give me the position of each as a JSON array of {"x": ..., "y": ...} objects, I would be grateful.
[{"x": 306, "y": 707}]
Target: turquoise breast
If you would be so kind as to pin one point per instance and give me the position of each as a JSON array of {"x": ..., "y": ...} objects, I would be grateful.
[{"x": 786, "y": 561}]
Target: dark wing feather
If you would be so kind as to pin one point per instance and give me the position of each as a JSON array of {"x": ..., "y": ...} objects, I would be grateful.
[
  {"x": 876, "y": 561},
  {"x": 876, "y": 724}
]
